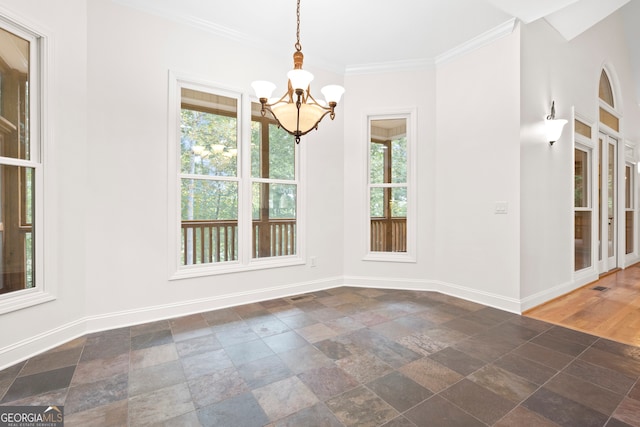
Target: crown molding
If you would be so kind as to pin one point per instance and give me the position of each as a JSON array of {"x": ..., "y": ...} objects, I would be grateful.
[
  {"x": 391, "y": 66},
  {"x": 483, "y": 39}
]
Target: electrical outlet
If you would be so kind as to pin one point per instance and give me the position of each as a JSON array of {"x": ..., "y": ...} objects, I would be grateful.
[{"x": 312, "y": 261}]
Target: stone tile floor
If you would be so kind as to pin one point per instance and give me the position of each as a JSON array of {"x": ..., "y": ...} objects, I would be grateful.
[{"x": 341, "y": 357}]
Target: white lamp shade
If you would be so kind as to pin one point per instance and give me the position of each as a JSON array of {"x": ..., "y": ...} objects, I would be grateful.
[
  {"x": 332, "y": 93},
  {"x": 300, "y": 79},
  {"x": 263, "y": 89},
  {"x": 554, "y": 129},
  {"x": 287, "y": 114}
]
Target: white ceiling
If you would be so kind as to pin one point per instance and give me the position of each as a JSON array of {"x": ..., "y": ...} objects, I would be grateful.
[{"x": 348, "y": 35}]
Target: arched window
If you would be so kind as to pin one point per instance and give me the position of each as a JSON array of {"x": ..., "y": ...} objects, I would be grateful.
[{"x": 605, "y": 92}]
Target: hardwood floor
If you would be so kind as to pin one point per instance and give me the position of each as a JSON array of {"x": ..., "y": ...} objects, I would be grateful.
[{"x": 612, "y": 312}]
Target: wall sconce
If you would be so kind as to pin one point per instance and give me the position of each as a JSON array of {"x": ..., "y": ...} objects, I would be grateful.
[{"x": 553, "y": 126}]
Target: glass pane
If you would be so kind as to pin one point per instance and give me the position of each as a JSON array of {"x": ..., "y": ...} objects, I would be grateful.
[
  {"x": 628, "y": 187},
  {"x": 581, "y": 180},
  {"x": 629, "y": 226},
  {"x": 272, "y": 153},
  {"x": 582, "y": 240},
  {"x": 376, "y": 202},
  {"x": 377, "y": 162},
  {"x": 605, "y": 93},
  {"x": 209, "y": 221},
  {"x": 17, "y": 246},
  {"x": 209, "y": 132},
  {"x": 274, "y": 219},
  {"x": 611, "y": 189},
  {"x": 399, "y": 160},
  {"x": 14, "y": 96},
  {"x": 399, "y": 202},
  {"x": 388, "y": 151}
]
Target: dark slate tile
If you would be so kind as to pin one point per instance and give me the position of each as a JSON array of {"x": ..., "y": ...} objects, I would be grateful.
[
  {"x": 385, "y": 349},
  {"x": 328, "y": 381},
  {"x": 604, "y": 377},
  {"x": 151, "y": 339},
  {"x": 628, "y": 351},
  {"x": 563, "y": 411},
  {"x": 628, "y": 411},
  {"x": 399, "y": 391},
  {"x": 361, "y": 407},
  {"x": 624, "y": 365},
  {"x": 457, "y": 360},
  {"x": 485, "y": 347},
  {"x": 110, "y": 415},
  {"x": 51, "y": 360},
  {"x": 155, "y": 377},
  {"x": 317, "y": 415},
  {"x": 264, "y": 371},
  {"x": 87, "y": 396},
  {"x": 248, "y": 352},
  {"x": 284, "y": 342},
  {"x": 284, "y": 397},
  {"x": 513, "y": 332},
  {"x": 400, "y": 421},
  {"x": 160, "y": 406},
  {"x": 543, "y": 355},
  {"x": 478, "y": 401},
  {"x": 215, "y": 387},
  {"x": 437, "y": 411},
  {"x": 521, "y": 416},
  {"x": 561, "y": 345},
  {"x": 503, "y": 383},
  {"x": 333, "y": 348},
  {"x": 584, "y": 392},
  {"x": 571, "y": 335},
  {"x": 103, "y": 345},
  {"x": 40, "y": 383},
  {"x": 238, "y": 411},
  {"x": 527, "y": 369}
]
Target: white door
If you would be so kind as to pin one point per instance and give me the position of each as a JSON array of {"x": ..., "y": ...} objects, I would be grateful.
[{"x": 608, "y": 203}]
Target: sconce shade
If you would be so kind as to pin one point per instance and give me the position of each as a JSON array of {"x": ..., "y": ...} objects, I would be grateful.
[
  {"x": 554, "y": 129},
  {"x": 553, "y": 126}
]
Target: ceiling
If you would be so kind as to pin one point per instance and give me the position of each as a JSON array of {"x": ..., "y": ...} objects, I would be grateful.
[{"x": 355, "y": 35}]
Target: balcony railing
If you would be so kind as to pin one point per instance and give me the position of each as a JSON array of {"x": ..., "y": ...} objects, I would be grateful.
[
  {"x": 217, "y": 240},
  {"x": 388, "y": 234}
]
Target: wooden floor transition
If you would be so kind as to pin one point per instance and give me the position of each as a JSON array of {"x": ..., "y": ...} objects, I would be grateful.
[{"x": 608, "y": 308}]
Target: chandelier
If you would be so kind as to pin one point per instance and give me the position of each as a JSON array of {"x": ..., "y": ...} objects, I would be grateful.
[{"x": 297, "y": 111}]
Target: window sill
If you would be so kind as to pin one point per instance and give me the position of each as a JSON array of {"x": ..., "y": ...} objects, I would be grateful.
[
  {"x": 23, "y": 299},
  {"x": 389, "y": 257},
  {"x": 202, "y": 270}
]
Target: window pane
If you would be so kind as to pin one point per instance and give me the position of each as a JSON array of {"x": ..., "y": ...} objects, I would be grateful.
[
  {"x": 376, "y": 202},
  {"x": 582, "y": 240},
  {"x": 399, "y": 202},
  {"x": 629, "y": 227},
  {"x": 581, "y": 181},
  {"x": 14, "y": 96},
  {"x": 208, "y": 143},
  {"x": 399, "y": 160},
  {"x": 377, "y": 162},
  {"x": 273, "y": 154},
  {"x": 628, "y": 187},
  {"x": 209, "y": 221},
  {"x": 274, "y": 219},
  {"x": 274, "y": 201},
  {"x": 16, "y": 228}
]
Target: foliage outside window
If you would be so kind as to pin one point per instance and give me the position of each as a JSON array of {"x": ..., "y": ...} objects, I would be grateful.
[
  {"x": 582, "y": 209},
  {"x": 19, "y": 161}
]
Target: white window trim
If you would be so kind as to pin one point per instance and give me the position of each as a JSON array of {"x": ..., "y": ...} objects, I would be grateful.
[
  {"x": 45, "y": 255},
  {"x": 245, "y": 262},
  {"x": 410, "y": 114}
]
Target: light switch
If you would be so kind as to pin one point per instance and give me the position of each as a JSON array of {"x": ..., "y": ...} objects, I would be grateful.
[{"x": 501, "y": 208}]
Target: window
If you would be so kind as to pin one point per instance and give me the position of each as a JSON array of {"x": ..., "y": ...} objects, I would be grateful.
[
  {"x": 237, "y": 187},
  {"x": 629, "y": 211},
  {"x": 582, "y": 208},
  {"x": 21, "y": 169},
  {"x": 390, "y": 182}
]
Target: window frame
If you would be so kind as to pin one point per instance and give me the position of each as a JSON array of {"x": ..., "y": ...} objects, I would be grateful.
[
  {"x": 39, "y": 140},
  {"x": 410, "y": 115},
  {"x": 245, "y": 261}
]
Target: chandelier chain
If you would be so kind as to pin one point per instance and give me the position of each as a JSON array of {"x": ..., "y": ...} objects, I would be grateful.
[{"x": 298, "y": 46}]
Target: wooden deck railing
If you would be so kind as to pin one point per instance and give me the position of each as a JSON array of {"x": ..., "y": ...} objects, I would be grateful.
[
  {"x": 217, "y": 240},
  {"x": 388, "y": 234}
]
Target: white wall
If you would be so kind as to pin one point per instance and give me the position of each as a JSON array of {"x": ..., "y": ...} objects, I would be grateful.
[
  {"x": 477, "y": 250},
  {"x": 567, "y": 72},
  {"x": 379, "y": 94},
  {"x": 28, "y": 330}
]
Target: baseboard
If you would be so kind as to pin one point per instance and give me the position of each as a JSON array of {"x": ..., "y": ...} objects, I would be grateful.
[
  {"x": 547, "y": 295},
  {"x": 493, "y": 300},
  {"x": 25, "y": 349}
]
